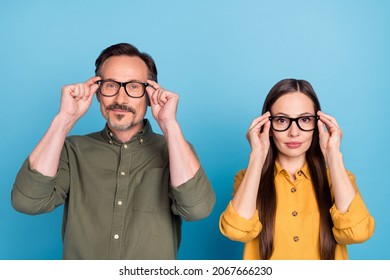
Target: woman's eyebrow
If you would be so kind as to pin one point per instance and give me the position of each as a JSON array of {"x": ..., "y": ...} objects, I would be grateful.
[{"x": 287, "y": 115}]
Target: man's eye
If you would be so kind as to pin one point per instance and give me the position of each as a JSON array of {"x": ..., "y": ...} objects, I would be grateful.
[
  {"x": 110, "y": 85},
  {"x": 134, "y": 86}
]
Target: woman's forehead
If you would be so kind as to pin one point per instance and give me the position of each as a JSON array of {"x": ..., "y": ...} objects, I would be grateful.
[{"x": 294, "y": 103}]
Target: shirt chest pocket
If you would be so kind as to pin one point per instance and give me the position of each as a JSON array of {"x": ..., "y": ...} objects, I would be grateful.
[{"x": 151, "y": 190}]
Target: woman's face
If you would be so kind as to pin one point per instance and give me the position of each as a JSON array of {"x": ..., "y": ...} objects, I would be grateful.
[{"x": 294, "y": 142}]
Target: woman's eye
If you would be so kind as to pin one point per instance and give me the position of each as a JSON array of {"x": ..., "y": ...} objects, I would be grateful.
[
  {"x": 305, "y": 119},
  {"x": 281, "y": 120}
]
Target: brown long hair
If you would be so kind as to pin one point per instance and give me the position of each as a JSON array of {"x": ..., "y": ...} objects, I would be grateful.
[{"x": 266, "y": 199}]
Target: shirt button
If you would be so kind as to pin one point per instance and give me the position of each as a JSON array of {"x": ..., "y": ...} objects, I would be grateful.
[
  {"x": 125, "y": 146},
  {"x": 120, "y": 202},
  {"x": 296, "y": 238},
  {"x": 116, "y": 236},
  {"x": 300, "y": 173},
  {"x": 294, "y": 213},
  {"x": 141, "y": 140},
  {"x": 123, "y": 173},
  {"x": 293, "y": 189},
  {"x": 111, "y": 134}
]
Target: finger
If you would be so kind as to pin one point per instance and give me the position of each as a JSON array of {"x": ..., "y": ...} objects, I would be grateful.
[
  {"x": 74, "y": 91},
  {"x": 82, "y": 91},
  {"x": 331, "y": 125},
  {"x": 158, "y": 96},
  {"x": 93, "y": 80},
  {"x": 162, "y": 97},
  {"x": 266, "y": 130},
  {"x": 328, "y": 123},
  {"x": 260, "y": 119},
  {"x": 327, "y": 118},
  {"x": 88, "y": 91},
  {"x": 153, "y": 84},
  {"x": 321, "y": 128},
  {"x": 258, "y": 123},
  {"x": 150, "y": 92}
]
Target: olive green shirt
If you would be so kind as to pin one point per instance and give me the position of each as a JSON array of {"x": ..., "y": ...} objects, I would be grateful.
[{"x": 119, "y": 203}]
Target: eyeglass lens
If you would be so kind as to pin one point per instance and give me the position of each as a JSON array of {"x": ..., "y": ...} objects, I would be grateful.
[
  {"x": 111, "y": 88},
  {"x": 281, "y": 123}
]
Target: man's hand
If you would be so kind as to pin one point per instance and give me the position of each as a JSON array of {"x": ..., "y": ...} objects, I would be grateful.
[
  {"x": 77, "y": 98},
  {"x": 164, "y": 105}
]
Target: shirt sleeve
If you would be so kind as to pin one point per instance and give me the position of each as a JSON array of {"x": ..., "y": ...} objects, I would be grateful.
[
  {"x": 34, "y": 193},
  {"x": 195, "y": 199},
  {"x": 237, "y": 228},
  {"x": 354, "y": 226}
]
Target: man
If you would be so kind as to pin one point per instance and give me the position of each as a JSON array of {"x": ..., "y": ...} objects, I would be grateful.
[{"x": 125, "y": 188}]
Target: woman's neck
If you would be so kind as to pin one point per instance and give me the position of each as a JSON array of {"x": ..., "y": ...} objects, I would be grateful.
[{"x": 291, "y": 164}]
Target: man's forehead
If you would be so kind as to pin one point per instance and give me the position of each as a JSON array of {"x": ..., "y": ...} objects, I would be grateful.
[{"x": 124, "y": 65}]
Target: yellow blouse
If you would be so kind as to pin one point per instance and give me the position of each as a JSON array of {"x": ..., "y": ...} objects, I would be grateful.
[{"x": 297, "y": 220}]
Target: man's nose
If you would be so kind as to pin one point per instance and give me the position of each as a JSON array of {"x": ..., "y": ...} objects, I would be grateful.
[{"x": 122, "y": 95}]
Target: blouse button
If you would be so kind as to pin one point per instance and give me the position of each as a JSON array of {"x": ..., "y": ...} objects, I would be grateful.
[
  {"x": 300, "y": 173},
  {"x": 293, "y": 189},
  {"x": 296, "y": 238},
  {"x": 294, "y": 213}
]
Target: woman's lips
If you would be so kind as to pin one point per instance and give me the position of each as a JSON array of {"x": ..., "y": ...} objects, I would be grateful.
[{"x": 293, "y": 145}]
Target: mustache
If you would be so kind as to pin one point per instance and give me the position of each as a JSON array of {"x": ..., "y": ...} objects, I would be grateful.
[{"x": 120, "y": 107}]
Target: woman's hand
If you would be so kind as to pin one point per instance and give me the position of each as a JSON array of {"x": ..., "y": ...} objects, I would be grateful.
[
  {"x": 330, "y": 134},
  {"x": 258, "y": 134}
]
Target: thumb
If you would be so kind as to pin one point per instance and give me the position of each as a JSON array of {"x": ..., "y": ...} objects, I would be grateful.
[
  {"x": 94, "y": 88},
  {"x": 150, "y": 90}
]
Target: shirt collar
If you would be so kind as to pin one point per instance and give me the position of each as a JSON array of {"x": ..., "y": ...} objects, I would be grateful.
[
  {"x": 304, "y": 170},
  {"x": 141, "y": 136}
]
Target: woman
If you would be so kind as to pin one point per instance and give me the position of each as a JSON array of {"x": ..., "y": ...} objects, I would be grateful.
[{"x": 295, "y": 200}]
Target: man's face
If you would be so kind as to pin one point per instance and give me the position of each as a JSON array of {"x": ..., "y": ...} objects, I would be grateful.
[{"x": 121, "y": 111}]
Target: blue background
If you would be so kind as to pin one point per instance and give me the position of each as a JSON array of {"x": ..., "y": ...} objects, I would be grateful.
[{"x": 222, "y": 57}]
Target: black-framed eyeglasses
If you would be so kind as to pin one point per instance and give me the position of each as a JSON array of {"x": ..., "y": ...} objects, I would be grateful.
[
  {"x": 109, "y": 88},
  {"x": 282, "y": 123}
]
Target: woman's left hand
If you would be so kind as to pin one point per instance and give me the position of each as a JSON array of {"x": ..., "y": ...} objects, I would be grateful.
[{"x": 330, "y": 134}]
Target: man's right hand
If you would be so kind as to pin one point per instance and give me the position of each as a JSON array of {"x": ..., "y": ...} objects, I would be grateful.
[{"x": 77, "y": 98}]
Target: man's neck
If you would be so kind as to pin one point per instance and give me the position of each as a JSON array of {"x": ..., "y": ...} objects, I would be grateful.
[{"x": 126, "y": 135}]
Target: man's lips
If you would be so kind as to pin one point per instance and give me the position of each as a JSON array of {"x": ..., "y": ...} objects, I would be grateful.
[
  {"x": 293, "y": 145},
  {"x": 119, "y": 111}
]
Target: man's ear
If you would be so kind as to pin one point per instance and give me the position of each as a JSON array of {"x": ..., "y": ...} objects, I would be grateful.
[{"x": 98, "y": 96}]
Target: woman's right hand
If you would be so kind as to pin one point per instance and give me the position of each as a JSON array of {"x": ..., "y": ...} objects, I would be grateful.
[{"x": 258, "y": 134}]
